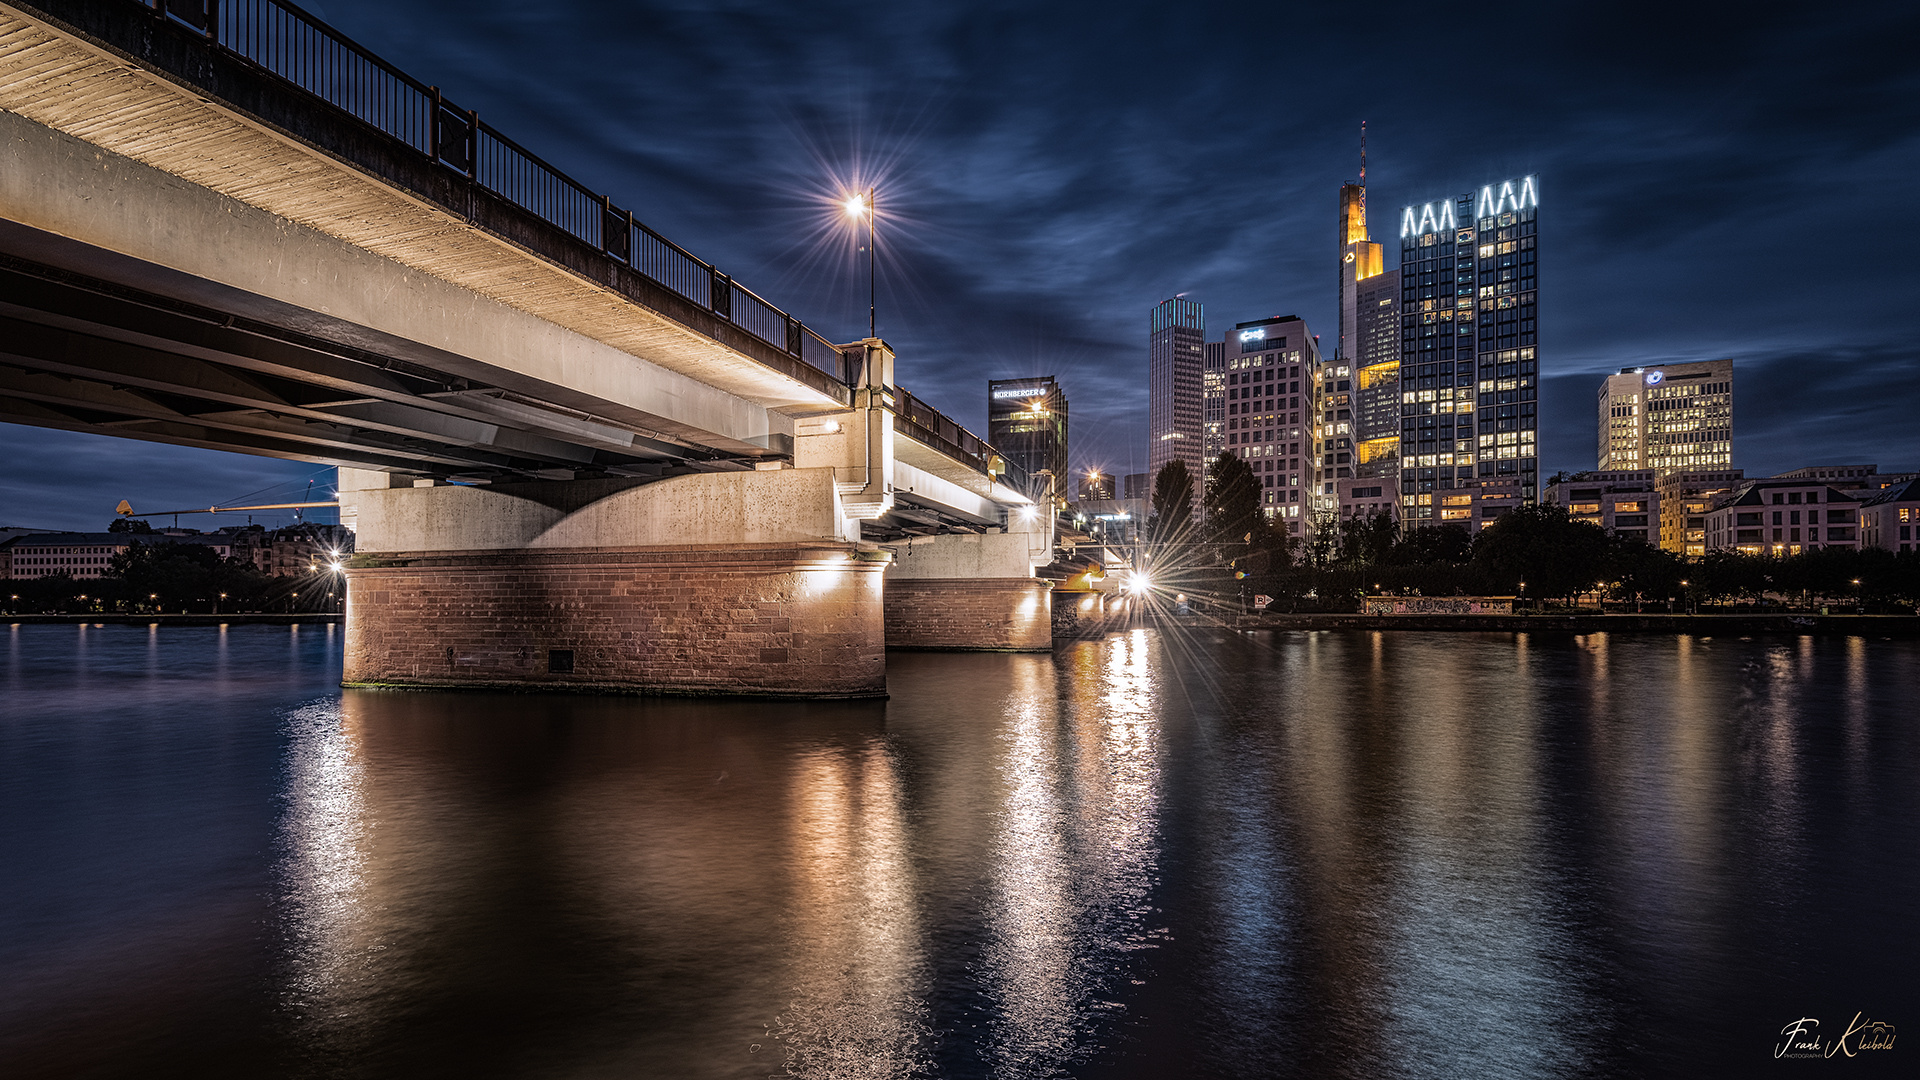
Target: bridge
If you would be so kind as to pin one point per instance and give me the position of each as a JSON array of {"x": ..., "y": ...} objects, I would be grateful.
[{"x": 572, "y": 452}]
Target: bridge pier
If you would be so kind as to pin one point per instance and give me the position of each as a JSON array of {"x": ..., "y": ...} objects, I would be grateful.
[
  {"x": 711, "y": 583},
  {"x": 969, "y": 591}
]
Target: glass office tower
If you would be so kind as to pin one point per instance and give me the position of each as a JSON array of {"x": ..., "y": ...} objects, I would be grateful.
[
  {"x": 1176, "y": 409},
  {"x": 1469, "y": 352},
  {"x": 1027, "y": 423}
]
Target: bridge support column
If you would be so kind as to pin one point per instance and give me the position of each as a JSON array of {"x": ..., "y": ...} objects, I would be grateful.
[
  {"x": 714, "y": 583},
  {"x": 970, "y": 592}
]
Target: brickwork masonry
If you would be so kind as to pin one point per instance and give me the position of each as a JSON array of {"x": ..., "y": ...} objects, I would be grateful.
[
  {"x": 760, "y": 620},
  {"x": 992, "y": 614}
]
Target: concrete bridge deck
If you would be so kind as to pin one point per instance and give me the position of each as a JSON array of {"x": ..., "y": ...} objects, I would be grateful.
[{"x": 226, "y": 225}]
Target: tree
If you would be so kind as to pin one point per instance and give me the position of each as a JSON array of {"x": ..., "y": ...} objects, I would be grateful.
[
  {"x": 1232, "y": 506},
  {"x": 1556, "y": 556},
  {"x": 1367, "y": 541},
  {"x": 1171, "y": 518},
  {"x": 129, "y": 525},
  {"x": 1431, "y": 544}
]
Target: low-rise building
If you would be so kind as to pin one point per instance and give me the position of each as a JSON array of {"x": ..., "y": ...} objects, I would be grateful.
[
  {"x": 1685, "y": 499},
  {"x": 1471, "y": 504},
  {"x": 1890, "y": 517},
  {"x": 1844, "y": 477},
  {"x": 81, "y": 556},
  {"x": 1783, "y": 517},
  {"x": 1625, "y": 502},
  {"x": 1361, "y": 499}
]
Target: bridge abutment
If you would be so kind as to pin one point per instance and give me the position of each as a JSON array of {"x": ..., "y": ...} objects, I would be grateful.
[
  {"x": 970, "y": 591},
  {"x": 713, "y": 583}
]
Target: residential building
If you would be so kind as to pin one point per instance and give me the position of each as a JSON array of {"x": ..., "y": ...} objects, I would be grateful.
[
  {"x": 1890, "y": 517},
  {"x": 1783, "y": 517},
  {"x": 1027, "y": 424},
  {"x": 1685, "y": 499},
  {"x": 1670, "y": 418},
  {"x": 1332, "y": 430},
  {"x": 1271, "y": 368},
  {"x": 1469, "y": 344},
  {"x": 1625, "y": 502},
  {"x": 1176, "y": 372},
  {"x": 1367, "y": 497}
]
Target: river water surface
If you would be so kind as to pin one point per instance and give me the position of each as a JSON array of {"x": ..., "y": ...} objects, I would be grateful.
[{"x": 1190, "y": 854}]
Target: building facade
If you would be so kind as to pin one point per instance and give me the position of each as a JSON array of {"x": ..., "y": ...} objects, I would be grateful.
[
  {"x": 1176, "y": 372},
  {"x": 1376, "y": 371},
  {"x": 1672, "y": 418},
  {"x": 1027, "y": 424},
  {"x": 1272, "y": 367},
  {"x": 1890, "y": 518},
  {"x": 1783, "y": 517},
  {"x": 1361, "y": 499},
  {"x": 1625, "y": 502},
  {"x": 1844, "y": 477},
  {"x": 1213, "y": 396},
  {"x": 1685, "y": 500},
  {"x": 1469, "y": 343}
]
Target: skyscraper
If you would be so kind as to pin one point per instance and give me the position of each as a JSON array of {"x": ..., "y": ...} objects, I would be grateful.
[
  {"x": 1176, "y": 411},
  {"x": 1272, "y": 367},
  {"x": 1213, "y": 395},
  {"x": 1468, "y": 308},
  {"x": 1671, "y": 418},
  {"x": 1027, "y": 422},
  {"x": 1369, "y": 334}
]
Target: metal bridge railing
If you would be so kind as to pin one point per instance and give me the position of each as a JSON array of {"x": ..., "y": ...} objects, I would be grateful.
[{"x": 285, "y": 41}]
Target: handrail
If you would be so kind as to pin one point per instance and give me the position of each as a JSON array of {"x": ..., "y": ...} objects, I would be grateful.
[{"x": 285, "y": 41}]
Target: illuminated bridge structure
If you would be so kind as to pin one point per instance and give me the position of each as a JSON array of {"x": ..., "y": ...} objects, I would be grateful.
[{"x": 573, "y": 453}]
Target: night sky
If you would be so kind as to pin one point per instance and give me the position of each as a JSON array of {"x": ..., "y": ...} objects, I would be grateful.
[{"x": 1725, "y": 181}]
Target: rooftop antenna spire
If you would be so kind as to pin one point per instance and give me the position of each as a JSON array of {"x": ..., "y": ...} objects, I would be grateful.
[{"x": 1363, "y": 170}]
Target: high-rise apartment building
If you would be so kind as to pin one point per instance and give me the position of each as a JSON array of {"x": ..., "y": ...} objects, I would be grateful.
[
  {"x": 1672, "y": 418},
  {"x": 1469, "y": 351},
  {"x": 1272, "y": 366},
  {"x": 1176, "y": 372},
  {"x": 1027, "y": 423}
]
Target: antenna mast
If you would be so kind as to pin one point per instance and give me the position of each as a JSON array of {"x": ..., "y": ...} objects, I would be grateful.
[{"x": 1363, "y": 170}]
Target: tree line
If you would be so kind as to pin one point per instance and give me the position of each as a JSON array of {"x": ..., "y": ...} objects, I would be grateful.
[
  {"x": 177, "y": 577},
  {"x": 1230, "y": 552}
]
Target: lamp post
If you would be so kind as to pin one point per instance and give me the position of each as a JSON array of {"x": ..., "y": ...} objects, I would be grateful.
[{"x": 857, "y": 207}]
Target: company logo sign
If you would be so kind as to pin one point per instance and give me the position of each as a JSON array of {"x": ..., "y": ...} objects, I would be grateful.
[
  {"x": 1521, "y": 194},
  {"x": 1025, "y": 391},
  {"x": 1252, "y": 335},
  {"x": 1655, "y": 378}
]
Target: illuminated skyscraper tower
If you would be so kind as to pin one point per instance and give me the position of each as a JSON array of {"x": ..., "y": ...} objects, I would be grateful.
[
  {"x": 1369, "y": 333},
  {"x": 1469, "y": 363},
  {"x": 1176, "y": 409}
]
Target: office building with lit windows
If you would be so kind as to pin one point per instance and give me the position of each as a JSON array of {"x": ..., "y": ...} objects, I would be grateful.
[
  {"x": 1369, "y": 342},
  {"x": 1027, "y": 424},
  {"x": 1670, "y": 418},
  {"x": 1176, "y": 373},
  {"x": 1685, "y": 500},
  {"x": 1213, "y": 396},
  {"x": 1469, "y": 345},
  {"x": 1376, "y": 373},
  {"x": 1272, "y": 367}
]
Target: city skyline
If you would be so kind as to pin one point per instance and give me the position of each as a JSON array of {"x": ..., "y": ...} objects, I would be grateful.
[{"x": 1017, "y": 240}]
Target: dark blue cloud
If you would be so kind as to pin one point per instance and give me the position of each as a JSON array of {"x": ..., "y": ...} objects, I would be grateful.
[{"x": 1717, "y": 180}]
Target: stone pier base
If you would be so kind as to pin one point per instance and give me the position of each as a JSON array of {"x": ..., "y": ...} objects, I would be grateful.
[
  {"x": 990, "y": 614},
  {"x": 776, "y": 620}
]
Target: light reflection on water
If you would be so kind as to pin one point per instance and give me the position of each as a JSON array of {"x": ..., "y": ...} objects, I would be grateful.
[{"x": 1377, "y": 854}]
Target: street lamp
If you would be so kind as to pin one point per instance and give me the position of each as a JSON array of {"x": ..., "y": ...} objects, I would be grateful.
[{"x": 857, "y": 207}]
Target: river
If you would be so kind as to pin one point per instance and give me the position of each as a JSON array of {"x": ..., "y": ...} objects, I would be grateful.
[{"x": 1195, "y": 853}]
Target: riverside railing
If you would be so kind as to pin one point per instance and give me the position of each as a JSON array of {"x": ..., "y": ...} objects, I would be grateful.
[{"x": 298, "y": 49}]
